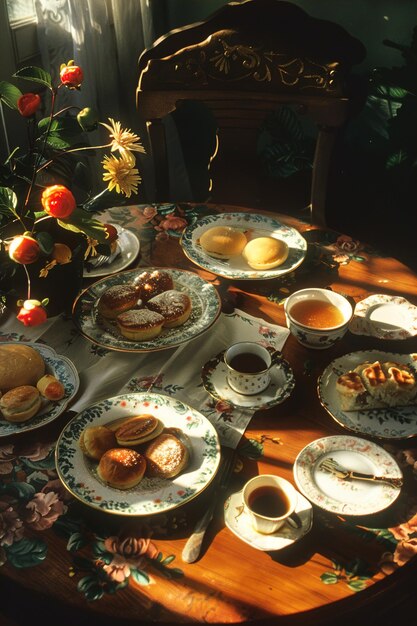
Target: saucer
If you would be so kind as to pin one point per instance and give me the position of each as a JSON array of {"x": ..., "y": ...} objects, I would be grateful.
[
  {"x": 239, "y": 522},
  {"x": 214, "y": 377},
  {"x": 384, "y": 317}
]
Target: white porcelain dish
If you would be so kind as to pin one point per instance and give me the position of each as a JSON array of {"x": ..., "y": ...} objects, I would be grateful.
[
  {"x": 384, "y": 317},
  {"x": 129, "y": 250}
]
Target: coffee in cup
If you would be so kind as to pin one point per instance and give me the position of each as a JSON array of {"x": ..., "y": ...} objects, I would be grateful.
[
  {"x": 248, "y": 367},
  {"x": 270, "y": 501}
]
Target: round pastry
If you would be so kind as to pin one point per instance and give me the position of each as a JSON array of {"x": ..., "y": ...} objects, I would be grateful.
[
  {"x": 50, "y": 387},
  {"x": 166, "y": 456},
  {"x": 122, "y": 468},
  {"x": 19, "y": 365},
  {"x": 140, "y": 324},
  {"x": 173, "y": 305},
  {"x": 20, "y": 404},
  {"x": 150, "y": 284},
  {"x": 117, "y": 299},
  {"x": 223, "y": 242},
  {"x": 96, "y": 440},
  {"x": 138, "y": 429},
  {"x": 264, "y": 253}
]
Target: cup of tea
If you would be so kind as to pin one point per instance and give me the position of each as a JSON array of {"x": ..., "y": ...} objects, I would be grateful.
[
  {"x": 248, "y": 366},
  {"x": 270, "y": 501},
  {"x": 317, "y": 317}
]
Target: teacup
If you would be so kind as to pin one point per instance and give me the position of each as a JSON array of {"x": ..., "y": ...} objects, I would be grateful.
[
  {"x": 248, "y": 366},
  {"x": 317, "y": 317},
  {"x": 270, "y": 501}
]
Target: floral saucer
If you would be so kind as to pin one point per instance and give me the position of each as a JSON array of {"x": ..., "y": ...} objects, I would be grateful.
[
  {"x": 129, "y": 249},
  {"x": 385, "y": 317},
  {"x": 214, "y": 377},
  {"x": 238, "y": 521}
]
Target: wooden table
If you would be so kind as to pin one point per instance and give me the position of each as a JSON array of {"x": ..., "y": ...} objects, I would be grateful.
[{"x": 342, "y": 569}]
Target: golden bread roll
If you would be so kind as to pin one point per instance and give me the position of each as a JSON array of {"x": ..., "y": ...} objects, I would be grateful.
[
  {"x": 173, "y": 305},
  {"x": 264, "y": 253},
  {"x": 19, "y": 365},
  {"x": 150, "y": 284},
  {"x": 122, "y": 468},
  {"x": 223, "y": 242},
  {"x": 50, "y": 387},
  {"x": 96, "y": 440},
  {"x": 138, "y": 429},
  {"x": 166, "y": 456},
  {"x": 20, "y": 404},
  {"x": 140, "y": 324},
  {"x": 117, "y": 299}
]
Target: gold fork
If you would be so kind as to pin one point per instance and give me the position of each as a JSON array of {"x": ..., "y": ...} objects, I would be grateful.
[{"x": 332, "y": 466}]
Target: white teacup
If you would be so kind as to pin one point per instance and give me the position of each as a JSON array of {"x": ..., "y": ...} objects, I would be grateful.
[
  {"x": 270, "y": 502},
  {"x": 248, "y": 367}
]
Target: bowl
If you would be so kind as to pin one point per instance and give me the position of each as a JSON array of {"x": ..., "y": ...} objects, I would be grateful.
[{"x": 317, "y": 317}]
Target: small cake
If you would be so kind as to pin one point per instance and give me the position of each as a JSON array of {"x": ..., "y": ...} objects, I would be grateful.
[
  {"x": 351, "y": 392},
  {"x": 140, "y": 324},
  {"x": 50, "y": 387},
  {"x": 223, "y": 242},
  {"x": 117, "y": 299},
  {"x": 166, "y": 456},
  {"x": 20, "y": 403},
  {"x": 264, "y": 253},
  {"x": 96, "y": 440},
  {"x": 122, "y": 468},
  {"x": 401, "y": 384},
  {"x": 150, "y": 284},
  {"x": 374, "y": 379},
  {"x": 138, "y": 429},
  {"x": 173, "y": 305}
]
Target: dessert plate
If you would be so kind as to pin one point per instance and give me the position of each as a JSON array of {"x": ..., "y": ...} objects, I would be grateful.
[
  {"x": 151, "y": 495},
  {"x": 346, "y": 497},
  {"x": 252, "y": 225},
  {"x": 129, "y": 250},
  {"x": 63, "y": 369},
  {"x": 214, "y": 377},
  {"x": 385, "y": 317},
  {"x": 386, "y": 423},
  {"x": 205, "y": 303},
  {"x": 239, "y": 522}
]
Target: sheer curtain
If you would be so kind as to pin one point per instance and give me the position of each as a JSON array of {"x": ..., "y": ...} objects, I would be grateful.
[{"x": 105, "y": 38}]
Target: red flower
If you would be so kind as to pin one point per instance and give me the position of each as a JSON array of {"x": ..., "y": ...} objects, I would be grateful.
[
  {"x": 28, "y": 104},
  {"x": 71, "y": 75},
  {"x": 58, "y": 201},
  {"x": 32, "y": 313}
]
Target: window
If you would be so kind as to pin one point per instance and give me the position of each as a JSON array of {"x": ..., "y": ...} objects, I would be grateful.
[{"x": 20, "y": 10}]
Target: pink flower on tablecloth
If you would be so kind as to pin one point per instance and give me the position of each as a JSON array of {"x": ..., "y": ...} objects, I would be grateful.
[
  {"x": 149, "y": 212},
  {"x": 172, "y": 222},
  {"x": 57, "y": 487},
  {"x": 403, "y": 531},
  {"x": 6, "y": 457},
  {"x": 11, "y": 526},
  {"x": 44, "y": 509},
  {"x": 223, "y": 407},
  {"x": 404, "y": 551},
  {"x": 35, "y": 451},
  {"x": 162, "y": 236},
  {"x": 347, "y": 244},
  {"x": 128, "y": 554}
]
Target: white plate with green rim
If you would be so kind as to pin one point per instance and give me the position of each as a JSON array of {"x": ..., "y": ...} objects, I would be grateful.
[
  {"x": 341, "y": 496},
  {"x": 385, "y": 423},
  {"x": 65, "y": 371},
  {"x": 151, "y": 495},
  {"x": 253, "y": 225},
  {"x": 205, "y": 303},
  {"x": 129, "y": 249}
]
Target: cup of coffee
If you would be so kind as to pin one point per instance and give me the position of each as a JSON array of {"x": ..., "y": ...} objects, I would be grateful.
[
  {"x": 248, "y": 366},
  {"x": 270, "y": 502}
]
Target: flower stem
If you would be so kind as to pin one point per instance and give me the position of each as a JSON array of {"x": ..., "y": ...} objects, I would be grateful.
[{"x": 28, "y": 279}]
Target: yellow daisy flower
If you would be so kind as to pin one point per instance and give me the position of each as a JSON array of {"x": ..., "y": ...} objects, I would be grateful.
[
  {"x": 123, "y": 140},
  {"x": 121, "y": 175}
]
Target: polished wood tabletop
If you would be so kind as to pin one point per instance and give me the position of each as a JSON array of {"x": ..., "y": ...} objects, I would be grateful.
[{"x": 88, "y": 563}]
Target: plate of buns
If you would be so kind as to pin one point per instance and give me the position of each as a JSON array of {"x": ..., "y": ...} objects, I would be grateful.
[
  {"x": 146, "y": 309},
  {"x": 244, "y": 246},
  {"x": 36, "y": 385},
  {"x": 137, "y": 454},
  {"x": 372, "y": 392}
]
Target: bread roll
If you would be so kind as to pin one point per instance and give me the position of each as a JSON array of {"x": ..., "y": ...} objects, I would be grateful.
[
  {"x": 19, "y": 365},
  {"x": 50, "y": 387},
  {"x": 20, "y": 404},
  {"x": 173, "y": 305},
  {"x": 96, "y": 440},
  {"x": 122, "y": 468},
  {"x": 138, "y": 429},
  {"x": 223, "y": 242},
  {"x": 166, "y": 456},
  {"x": 264, "y": 253}
]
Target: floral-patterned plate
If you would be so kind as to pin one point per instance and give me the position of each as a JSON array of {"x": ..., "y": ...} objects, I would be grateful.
[
  {"x": 386, "y": 423},
  {"x": 253, "y": 226},
  {"x": 385, "y": 317},
  {"x": 214, "y": 377},
  {"x": 129, "y": 249},
  {"x": 205, "y": 303},
  {"x": 63, "y": 369},
  {"x": 340, "y": 496},
  {"x": 238, "y": 521},
  {"x": 151, "y": 495}
]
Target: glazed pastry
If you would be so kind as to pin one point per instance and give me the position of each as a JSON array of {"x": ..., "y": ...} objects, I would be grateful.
[
  {"x": 223, "y": 242},
  {"x": 122, "y": 468},
  {"x": 117, "y": 299},
  {"x": 173, "y": 305},
  {"x": 96, "y": 440},
  {"x": 166, "y": 456},
  {"x": 50, "y": 387},
  {"x": 136, "y": 430},
  {"x": 150, "y": 284},
  {"x": 140, "y": 324},
  {"x": 19, "y": 365},
  {"x": 20, "y": 404}
]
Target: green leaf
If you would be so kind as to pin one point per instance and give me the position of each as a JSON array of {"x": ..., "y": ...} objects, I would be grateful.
[
  {"x": 46, "y": 242},
  {"x": 35, "y": 74},
  {"x": 168, "y": 559},
  {"x": 56, "y": 142},
  {"x": 8, "y": 200},
  {"x": 328, "y": 578},
  {"x": 81, "y": 221},
  {"x": 9, "y": 94},
  {"x": 76, "y": 542},
  {"x": 90, "y": 588},
  {"x": 26, "y": 553},
  {"x": 22, "y": 490},
  {"x": 396, "y": 159},
  {"x": 140, "y": 577}
]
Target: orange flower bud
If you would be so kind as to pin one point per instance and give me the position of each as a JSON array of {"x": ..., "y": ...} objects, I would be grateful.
[
  {"x": 58, "y": 201},
  {"x": 24, "y": 249},
  {"x": 32, "y": 313},
  {"x": 28, "y": 104},
  {"x": 71, "y": 75}
]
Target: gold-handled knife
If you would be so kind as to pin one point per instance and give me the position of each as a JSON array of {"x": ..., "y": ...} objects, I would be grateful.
[{"x": 333, "y": 467}]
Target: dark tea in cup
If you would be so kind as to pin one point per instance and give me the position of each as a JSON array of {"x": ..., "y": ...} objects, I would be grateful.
[{"x": 269, "y": 501}]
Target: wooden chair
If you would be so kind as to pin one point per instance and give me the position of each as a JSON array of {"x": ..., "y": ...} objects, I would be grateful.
[{"x": 244, "y": 63}]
